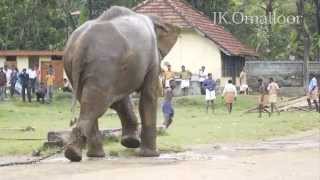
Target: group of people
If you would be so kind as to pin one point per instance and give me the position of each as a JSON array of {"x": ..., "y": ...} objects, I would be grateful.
[
  {"x": 184, "y": 75},
  {"x": 268, "y": 92},
  {"x": 269, "y": 95},
  {"x": 26, "y": 83},
  {"x": 207, "y": 87}
]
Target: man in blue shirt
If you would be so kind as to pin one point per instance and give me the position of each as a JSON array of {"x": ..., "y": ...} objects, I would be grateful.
[{"x": 210, "y": 87}]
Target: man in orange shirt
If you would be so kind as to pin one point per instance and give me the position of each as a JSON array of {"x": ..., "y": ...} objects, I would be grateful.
[{"x": 168, "y": 76}]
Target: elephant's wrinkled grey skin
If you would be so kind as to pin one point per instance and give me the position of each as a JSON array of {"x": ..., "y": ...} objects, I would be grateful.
[{"x": 107, "y": 59}]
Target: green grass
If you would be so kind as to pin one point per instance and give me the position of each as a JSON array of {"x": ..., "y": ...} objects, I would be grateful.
[{"x": 191, "y": 124}]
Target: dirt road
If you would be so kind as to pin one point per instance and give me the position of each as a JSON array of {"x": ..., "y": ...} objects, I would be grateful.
[{"x": 292, "y": 158}]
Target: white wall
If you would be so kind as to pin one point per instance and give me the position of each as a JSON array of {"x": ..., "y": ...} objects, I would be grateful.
[
  {"x": 193, "y": 50},
  {"x": 22, "y": 62},
  {"x": 44, "y": 58}
]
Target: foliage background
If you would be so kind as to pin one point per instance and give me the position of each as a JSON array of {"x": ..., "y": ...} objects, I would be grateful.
[{"x": 46, "y": 24}]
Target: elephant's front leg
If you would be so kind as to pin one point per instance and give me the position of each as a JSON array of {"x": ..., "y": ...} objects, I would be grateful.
[
  {"x": 129, "y": 123},
  {"x": 92, "y": 106},
  {"x": 148, "y": 113}
]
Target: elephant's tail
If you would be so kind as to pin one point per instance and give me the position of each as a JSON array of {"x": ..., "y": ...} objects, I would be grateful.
[
  {"x": 76, "y": 73},
  {"x": 72, "y": 63}
]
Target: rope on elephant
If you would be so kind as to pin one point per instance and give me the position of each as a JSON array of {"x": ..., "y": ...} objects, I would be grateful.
[{"x": 31, "y": 161}]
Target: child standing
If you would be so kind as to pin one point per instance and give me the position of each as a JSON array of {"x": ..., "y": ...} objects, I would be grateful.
[
  {"x": 167, "y": 109},
  {"x": 41, "y": 93}
]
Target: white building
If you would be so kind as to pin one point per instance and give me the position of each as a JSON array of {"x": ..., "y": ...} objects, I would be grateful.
[
  {"x": 201, "y": 42},
  {"x": 29, "y": 59}
]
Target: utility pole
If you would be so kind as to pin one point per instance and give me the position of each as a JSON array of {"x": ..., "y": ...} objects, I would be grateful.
[
  {"x": 304, "y": 33},
  {"x": 317, "y": 9}
]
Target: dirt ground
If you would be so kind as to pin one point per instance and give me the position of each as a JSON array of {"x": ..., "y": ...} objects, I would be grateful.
[{"x": 295, "y": 157}]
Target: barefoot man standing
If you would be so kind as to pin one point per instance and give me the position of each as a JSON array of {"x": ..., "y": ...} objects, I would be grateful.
[{"x": 273, "y": 89}]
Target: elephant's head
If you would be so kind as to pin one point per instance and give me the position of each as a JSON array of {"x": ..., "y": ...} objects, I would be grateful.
[{"x": 167, "y": 35}]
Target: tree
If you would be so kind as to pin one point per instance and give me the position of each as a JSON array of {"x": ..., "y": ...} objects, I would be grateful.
[
  {"x": 303, "y": 30},
  {"x": 33, "y": 24},
  {"x": 317, "y": 36}
]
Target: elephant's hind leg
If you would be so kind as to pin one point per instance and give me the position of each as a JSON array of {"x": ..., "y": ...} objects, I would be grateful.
[
  {"x": 93, "y": 105},
  {"x": 148, "y": 114},
  {"x": 129, "y": 123}
]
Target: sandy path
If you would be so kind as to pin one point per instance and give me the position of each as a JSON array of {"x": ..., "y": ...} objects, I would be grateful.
[{"x": 290, "y": 158}]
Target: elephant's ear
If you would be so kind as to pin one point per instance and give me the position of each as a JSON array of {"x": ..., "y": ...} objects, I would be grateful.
[{"x": 160, "y": 26}]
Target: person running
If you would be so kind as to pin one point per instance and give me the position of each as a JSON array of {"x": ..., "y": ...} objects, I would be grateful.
[
  {"x": 263, "y": 97},
  {"x": 202, "y": 76},
  {"x": 167, "y": 109},
  {"x": 25, "y": 83},
  {"x": 210, "y": 88},
  {"x": 185, "y": 80},
  {"x": 273, "y": 89},
  {"x": 229, "y": 93},
  {"x": 3, "y": 83},
  {"x": 313, "y": 93}
]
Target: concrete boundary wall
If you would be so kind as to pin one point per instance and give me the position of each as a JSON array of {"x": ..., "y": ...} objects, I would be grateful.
[{"x": 288, "y": 74}]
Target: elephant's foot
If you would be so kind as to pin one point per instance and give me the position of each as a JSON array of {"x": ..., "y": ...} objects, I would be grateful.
[
  {"x": 73, "y": 150},
  {"x": 73, "y": 154},
  {"x": 130, "y": 141},
  {"x": 95, "y": 151},
  {"x": 145, "y": 152}
]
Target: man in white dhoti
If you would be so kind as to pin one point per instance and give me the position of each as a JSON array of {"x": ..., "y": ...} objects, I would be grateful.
[
  {"x": 185, "y": 80},
  {"x": 202, "y": 76},
  {"x": 243, "y": 82},
  {"x": 273, "y": 89}
]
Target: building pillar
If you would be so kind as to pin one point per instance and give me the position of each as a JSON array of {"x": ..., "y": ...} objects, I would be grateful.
[{"x": 2, "y": 61}]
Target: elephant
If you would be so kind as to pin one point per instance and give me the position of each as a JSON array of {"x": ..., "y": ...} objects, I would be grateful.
[{"x": 107, "y": 59}]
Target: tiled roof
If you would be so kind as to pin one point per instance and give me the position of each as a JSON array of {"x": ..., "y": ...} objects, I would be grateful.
[
  {"x": 30, "y": 53},
  {"x": 182, "y": 14}
]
